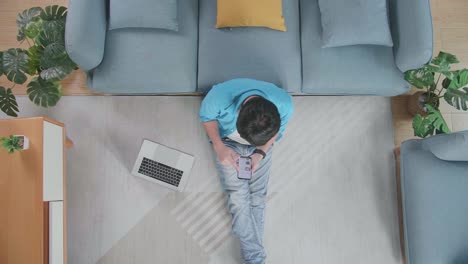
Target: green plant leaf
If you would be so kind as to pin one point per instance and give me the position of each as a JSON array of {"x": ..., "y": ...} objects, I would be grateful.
[
  {"x": 460, "y": 79},
  {"x": 43, "y": 93},
  {"x": 32, "y": 29},
  {"x": 56, "y": 73},
  {"x": 58, "y": 24},
  {"x": 20, "y": 36},
  {"x": 24, "y": 19},
  {"x": 422, "y": 126},
  {"x": 53, "y": 12},
  {"x": 457, "y": 98},
  {"x": 436, "y": 119},
  {"x": 8, "y": 103},
  {"x": 444, "y": 59},
  {"x": 15, "y": 65},
  {"x": 11, "y": 143},
  {"x": 442, "y": 70},
  {"x": 55, "y": 63},
  {"x": 35, "y": 54},
  {"x": 446, "y": 83},
  {"x": 420, "y": 78},
  {"x": 49, "y": 36}
]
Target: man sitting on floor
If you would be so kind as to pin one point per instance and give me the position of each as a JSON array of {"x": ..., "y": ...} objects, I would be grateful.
[{"x": 244, "y": 117}]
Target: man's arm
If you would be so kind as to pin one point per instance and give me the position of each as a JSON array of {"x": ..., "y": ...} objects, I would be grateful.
[
  {"x": 256, "y": 158},
  {"x": 225, "y": 155},
  {"x": 267, "y": 146},
  {"x": 211, "y": 128}
]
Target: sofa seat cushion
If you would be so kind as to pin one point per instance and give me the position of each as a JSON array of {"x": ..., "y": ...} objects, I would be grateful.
[
  {"x": 362, "y": 69},
  {"x": 147, "y": 61},
  {"x": 435, "y": 206},
  {"x": 257, "y": 53}
]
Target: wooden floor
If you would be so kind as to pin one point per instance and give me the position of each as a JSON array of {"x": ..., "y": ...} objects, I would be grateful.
[{"x": 450, "y": 18}]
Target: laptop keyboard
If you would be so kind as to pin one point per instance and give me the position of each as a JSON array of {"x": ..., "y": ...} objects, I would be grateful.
[{"x": 160, "y": 172}]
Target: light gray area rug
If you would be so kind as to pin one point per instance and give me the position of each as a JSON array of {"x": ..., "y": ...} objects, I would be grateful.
[{"x": 332, "y": 192}]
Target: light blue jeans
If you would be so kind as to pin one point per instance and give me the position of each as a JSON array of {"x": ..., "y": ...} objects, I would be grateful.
[{"x": 246, "y": 202}]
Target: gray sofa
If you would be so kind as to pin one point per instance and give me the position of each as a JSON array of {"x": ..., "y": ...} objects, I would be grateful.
[
  {"x": 154, "y": 61},
  {"x": 434, "y": 186}
]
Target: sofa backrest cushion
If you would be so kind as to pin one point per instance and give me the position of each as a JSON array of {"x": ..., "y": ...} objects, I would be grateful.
[
  {"x": 449, "y": 147},
  {"x": 355, "y": 22},
  {"x": 160, "y": 14}
]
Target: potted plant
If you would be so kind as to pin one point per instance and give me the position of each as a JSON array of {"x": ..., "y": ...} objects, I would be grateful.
[
  {"x": 437, "y": 81},
  {"x": 14, "y": 143},
  {"x": 45, "y": 61}
]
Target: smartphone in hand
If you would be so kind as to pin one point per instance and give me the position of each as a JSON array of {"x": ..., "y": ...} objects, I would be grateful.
[{"x": 245, "y": 168}]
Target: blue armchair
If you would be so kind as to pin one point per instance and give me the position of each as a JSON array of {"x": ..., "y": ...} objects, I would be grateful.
[{"x": 434, "y": 186}]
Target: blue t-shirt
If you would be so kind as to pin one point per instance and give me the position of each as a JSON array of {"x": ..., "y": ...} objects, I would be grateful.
[{"x": 223, "y": 101}]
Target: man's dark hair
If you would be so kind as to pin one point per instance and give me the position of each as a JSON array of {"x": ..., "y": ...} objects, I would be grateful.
[{"x": 258, "y": 121}]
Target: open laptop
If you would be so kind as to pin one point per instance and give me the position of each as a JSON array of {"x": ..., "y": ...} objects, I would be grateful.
[{"x": 163, "y": 165}]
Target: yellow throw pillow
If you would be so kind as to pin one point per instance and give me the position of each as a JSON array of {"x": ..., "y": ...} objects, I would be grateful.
[{"x": 251, "y": 13}]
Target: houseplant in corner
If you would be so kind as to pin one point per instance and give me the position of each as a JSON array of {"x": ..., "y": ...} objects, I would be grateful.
[
  {"x": 46, "y": 60},
  {"x": 437, "y": 81},
  {"x": 14, "y": 143}
]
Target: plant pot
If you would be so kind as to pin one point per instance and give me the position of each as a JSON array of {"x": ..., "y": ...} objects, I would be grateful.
[
  {"x": 24, "y": 142},
  {"x": 416, "y": 103}
]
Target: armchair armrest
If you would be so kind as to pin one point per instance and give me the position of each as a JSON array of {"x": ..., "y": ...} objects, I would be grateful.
[
  {"x": 85, "y": 32},
  {"x": 448, "y": 147},
  {"x": 411, "y": 24}
]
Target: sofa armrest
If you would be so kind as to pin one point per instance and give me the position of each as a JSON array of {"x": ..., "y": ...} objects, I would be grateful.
[
  {"x": 411, "y": 24},
  {"x": 448, "y": 147},
  {"x": 85, "y": 32}
]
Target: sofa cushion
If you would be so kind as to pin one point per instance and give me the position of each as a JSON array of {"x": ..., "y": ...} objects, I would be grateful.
[
  {"x": 435, "y": 206},
  {"x": 450, "y": 147},
  {"x": 354, "y": 22},
  {"x": 257, "y": 53},
  {"x": 248, "y": 13},
  {"x": 143, "y": 14},
  {"x": 363, "y": 69},
  {"x": 150, "y": 60}
]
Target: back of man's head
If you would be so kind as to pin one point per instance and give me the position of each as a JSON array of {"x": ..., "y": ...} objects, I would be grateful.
[{"x": 258, "y": 121}]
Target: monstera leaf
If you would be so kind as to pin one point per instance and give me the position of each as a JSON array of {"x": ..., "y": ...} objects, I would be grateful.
[
  {"x": 58, "y": 25},
  {"x": 35, "y": 54},
  {"x": 50, "y": 36},
  {"x": 422, "y": 126},
  {"x": 457, "y": 94},
  {"x": 420, "y": 78},
  {"x": 437, "y": 120},
  {"x": 54, "y": 12},
  {"x": 55, "y": 63},
  {"x": 460, "y": 79},
  {"x": 446, "y": 83},
  {"x": 457, "y": 98},
  {"x": 43, "y": 93},
  {"x": 433, "y": 123},
  {"x": 32, "y": 30},
  {"x": 15, "y": 65},
  {"x": 8, "y": 102},
  {"x": 444, "y": 59},
  {"x": 24, "y": 19}
]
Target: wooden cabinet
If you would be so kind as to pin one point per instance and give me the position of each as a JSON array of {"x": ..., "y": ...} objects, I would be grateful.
[{"x": 33, "y": 194}]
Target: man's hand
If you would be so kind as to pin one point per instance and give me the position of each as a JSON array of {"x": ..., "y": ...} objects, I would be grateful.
[
  {"x": 256, "y": 159},
  {"x": 227, "y": 156}
]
